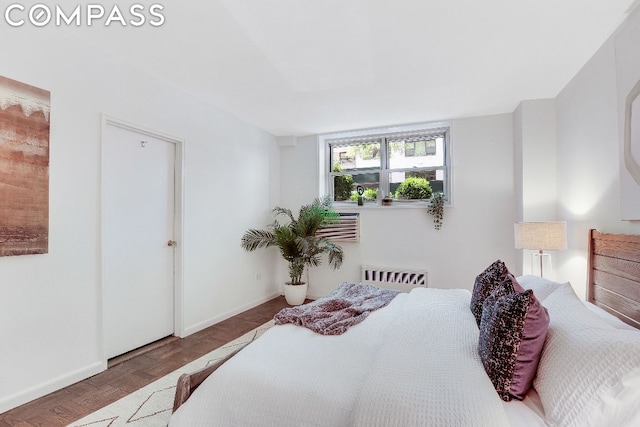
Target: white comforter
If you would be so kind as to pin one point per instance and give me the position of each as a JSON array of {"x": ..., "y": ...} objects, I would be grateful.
[{"x": 412, "y": 363}]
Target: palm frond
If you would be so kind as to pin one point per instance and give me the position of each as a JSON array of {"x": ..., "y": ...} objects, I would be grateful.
[
  {"x": 314, "y": 261},
  {"x": 334, "y": 252},
  {"x": 314, "y": 216},
  {"x": 286, "y": 240},
  {"x": 324, "y": 201},
  {"x": 254, "y": 239},
  {"x": 283, "y": 211}
]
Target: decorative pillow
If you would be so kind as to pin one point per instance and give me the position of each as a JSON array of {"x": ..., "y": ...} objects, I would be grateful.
[
  {"x": 589, "y": 373},
  {"x": 512, "y": 334},
  {"x": 486, "y": 282}
]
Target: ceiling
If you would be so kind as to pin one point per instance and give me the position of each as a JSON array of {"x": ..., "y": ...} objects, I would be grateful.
[{"x": 298, "y": 67}]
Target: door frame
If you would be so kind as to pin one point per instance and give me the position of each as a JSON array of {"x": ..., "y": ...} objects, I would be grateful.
[{"x": 178, "y": 223}]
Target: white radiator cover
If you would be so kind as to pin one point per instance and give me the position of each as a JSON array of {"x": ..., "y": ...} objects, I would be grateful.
[{"x": 401, "y": 279}]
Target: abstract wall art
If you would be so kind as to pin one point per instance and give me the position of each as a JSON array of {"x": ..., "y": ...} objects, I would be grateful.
[
  {"x": 628, "y": 81},
  {"x": 24, "y": 168}
]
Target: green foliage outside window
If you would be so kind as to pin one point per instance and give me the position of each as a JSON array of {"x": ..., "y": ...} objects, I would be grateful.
[
  {"x": 364, "y": 151},
  {"x": 372, "y": 151},
  {"x": 370, "y": 194},
  {"x": 342, "y": 185},
  {"x": 414, "y": 188}
]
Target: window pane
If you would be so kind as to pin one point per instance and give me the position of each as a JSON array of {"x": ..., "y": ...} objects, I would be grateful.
[
  {"x": 345, "y": 187},
  {"x": 431, "y": 147},
  {"x": 420, "y": 152},
  {"x": 355, "y": 157},
  {"x": 419, "y": 185},
  {"x": 409, "y": 149}
]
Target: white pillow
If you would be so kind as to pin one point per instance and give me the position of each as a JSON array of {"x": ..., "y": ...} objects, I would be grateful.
[
  {"x": 589, "y": 372},
  {"x": 540, "y": 286},
  {"x": 608, "y": 317}
]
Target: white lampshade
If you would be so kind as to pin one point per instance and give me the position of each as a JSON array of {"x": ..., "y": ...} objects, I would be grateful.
[{"x": 543, "y": 236}]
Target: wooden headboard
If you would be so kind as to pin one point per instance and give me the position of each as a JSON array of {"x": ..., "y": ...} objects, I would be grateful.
[{"x": 614, "y": 274}]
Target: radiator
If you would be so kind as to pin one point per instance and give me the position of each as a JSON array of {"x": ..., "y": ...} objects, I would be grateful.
[{"x": 394, "y": 278}]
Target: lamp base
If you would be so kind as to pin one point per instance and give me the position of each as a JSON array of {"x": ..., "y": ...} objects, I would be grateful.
[{"x": 539, "y": 263}]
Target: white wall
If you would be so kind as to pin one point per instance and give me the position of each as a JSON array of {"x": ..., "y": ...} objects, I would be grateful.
[
  {"x": 535, "y": 162},
  {"x": 476, "y": 231},
  {"x": 537, "y": 148},
  {"x": 50, "y": 305},
  {"x": 588, "y": 158}
]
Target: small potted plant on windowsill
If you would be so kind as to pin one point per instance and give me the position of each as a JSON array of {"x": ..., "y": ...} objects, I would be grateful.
[{"x": 298, "y": 243}]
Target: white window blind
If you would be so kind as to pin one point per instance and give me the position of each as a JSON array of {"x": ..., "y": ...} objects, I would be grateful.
[{"x": 347, "y": 229}]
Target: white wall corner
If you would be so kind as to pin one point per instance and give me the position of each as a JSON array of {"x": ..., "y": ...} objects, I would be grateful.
[
  {"x": 517, "y": 164},
  {"x": 286, "y": 141},
  {"x": 539, "y": 152},
  {"x": 535, "y": 163},
  {"x": 229, "y": 313}
]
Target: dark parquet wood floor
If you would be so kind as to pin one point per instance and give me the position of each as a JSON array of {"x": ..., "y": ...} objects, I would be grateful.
[{"x": 78, "y": 400}]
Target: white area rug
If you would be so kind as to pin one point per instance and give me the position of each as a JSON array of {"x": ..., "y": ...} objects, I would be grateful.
[{"x": 151, "y": 405}]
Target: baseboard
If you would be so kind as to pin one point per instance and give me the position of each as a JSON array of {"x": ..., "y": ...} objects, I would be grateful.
[
  {"x": 32, "y": 393},
  {"x": 224, "y": 316}
]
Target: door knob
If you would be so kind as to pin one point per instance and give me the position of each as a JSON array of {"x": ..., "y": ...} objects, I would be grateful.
[{"x": 171, "y": 243}]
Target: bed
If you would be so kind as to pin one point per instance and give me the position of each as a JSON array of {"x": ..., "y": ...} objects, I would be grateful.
[
  {"x": 416, "y": 362},
  {"x": 614, "y": 273}
]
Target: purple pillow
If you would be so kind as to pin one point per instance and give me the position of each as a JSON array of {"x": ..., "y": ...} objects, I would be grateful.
[
  {"x": 494, "y": 276},
  {"x": 512, "y": 333}
]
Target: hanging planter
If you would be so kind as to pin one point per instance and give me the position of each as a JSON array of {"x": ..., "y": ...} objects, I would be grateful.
[{"x": 436, "y": 209}]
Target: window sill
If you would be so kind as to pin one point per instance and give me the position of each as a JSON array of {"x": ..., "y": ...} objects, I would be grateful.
[{"x": 351, "y": 207}]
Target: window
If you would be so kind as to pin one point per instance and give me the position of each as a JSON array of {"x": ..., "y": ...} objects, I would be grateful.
[{"x": 408, "y": 165}]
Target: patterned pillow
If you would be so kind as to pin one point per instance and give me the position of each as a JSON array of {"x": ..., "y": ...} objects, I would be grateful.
[
  {"x": 512, "y": 333},
  {"x": 486, "y": 282}
]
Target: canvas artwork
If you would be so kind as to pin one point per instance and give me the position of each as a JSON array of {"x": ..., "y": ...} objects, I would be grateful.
[
  {"x": 24, "y": 168},
  {"x": 628, "y": 81}
]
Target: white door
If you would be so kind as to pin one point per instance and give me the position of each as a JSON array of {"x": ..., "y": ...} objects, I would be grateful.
[{"x": 138, "y": 229}]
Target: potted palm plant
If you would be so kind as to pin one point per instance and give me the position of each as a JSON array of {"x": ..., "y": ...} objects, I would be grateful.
[{"x": 298, "y": 243}]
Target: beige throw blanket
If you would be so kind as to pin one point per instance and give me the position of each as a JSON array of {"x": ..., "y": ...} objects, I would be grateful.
[{"x": 333, "y": 314}]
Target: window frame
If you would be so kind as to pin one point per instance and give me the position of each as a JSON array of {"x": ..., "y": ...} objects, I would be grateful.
[{"x": 384, "y": 134}]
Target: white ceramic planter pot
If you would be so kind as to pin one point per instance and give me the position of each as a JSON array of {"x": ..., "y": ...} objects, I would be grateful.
[{"x": 295, "y": 294}]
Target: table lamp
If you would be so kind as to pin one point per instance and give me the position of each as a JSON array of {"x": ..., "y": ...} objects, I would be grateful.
[{"x": 541, "y": 236}]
